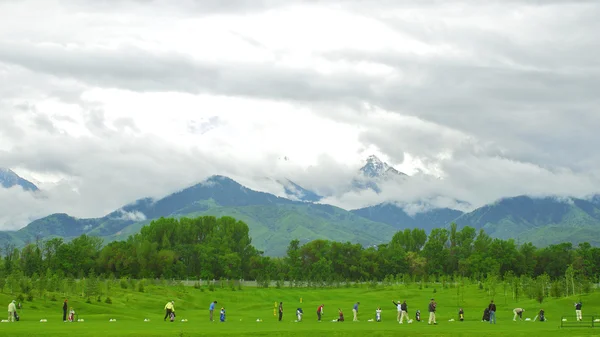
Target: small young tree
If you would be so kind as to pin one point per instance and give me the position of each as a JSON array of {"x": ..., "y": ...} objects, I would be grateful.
[{"x": 570, "y": 280}]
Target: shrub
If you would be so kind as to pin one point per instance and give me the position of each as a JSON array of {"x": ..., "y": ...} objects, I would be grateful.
[
  {"x": 99, "y": 299},
  {"x": 108, "y": 300},
  {"x": 29, "y": 297},
  {"x": 123, "y": 283},
  {"x": 20, "y": 298},
  {"x": 53, "y": 298},
  {"x": 141, "y": 287},
  {"x": 211, "y": 287},
  {"x": 88, "y": 301}
]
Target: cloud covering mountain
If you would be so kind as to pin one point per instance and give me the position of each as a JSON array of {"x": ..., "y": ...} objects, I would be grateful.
[{"x": 103, "y": 103}]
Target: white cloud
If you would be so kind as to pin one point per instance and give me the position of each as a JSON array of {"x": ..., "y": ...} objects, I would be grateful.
[
  {"x": 133, "y": 216},
  {"x": 103, "y": 103}
]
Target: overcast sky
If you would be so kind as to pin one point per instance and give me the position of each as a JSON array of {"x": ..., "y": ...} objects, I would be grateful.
[{"x": 105, "y": 102}]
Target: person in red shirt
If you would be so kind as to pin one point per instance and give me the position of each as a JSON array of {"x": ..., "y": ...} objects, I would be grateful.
[{"x": 320, "y": 312}]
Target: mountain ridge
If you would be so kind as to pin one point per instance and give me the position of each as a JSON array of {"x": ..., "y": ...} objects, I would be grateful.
[
  {"x": 274, "y": 220},
  {"x": 8, "y": 179}
]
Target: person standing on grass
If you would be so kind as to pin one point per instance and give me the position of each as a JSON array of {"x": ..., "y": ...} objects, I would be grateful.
[
  {"x": 492, "y": 309},
  {"x": 578, "y": 311},
  {"x": 12, "y": 308},
  {"x": 378, "y": 314},
  {"x": 211, "y": 308},
  {"x": 169, "y": 308},
  {"x": 320, "y": 312},
  {"x": 432, "y": 308},
  {"x": 399, "y": 308},
  {"x": 65, "y": 307},
  {"x": 355, "y": 311},
  {"x": 280, "y": 311},
  {"x": 404, "y": 309},
  {"x": 518, "y": 312}
]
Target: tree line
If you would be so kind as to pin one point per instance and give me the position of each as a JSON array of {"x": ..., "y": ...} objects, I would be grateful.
[{"x": 220, "y": 248}]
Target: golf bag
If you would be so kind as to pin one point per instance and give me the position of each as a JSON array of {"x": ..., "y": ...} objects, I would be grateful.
[
  {"x": 172, "y": 317},
  {"x": 16, "y": 317},
  {"x": 222, "y": 315},
  {"x": 418, "y": 316},
  {"x": 299, "y": 314},
  {"x": 486, "y": 315}
]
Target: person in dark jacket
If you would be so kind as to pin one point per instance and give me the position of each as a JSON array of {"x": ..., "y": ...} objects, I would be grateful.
[
  {"x": 280, "y": 311},
  {"x": 461, "y": 315},
  {"x": 432, "y": 308},
  {"x": 65, "y": 307},
  {"x": 492, "y": 308},
  {"x": 578, "y": 311}
]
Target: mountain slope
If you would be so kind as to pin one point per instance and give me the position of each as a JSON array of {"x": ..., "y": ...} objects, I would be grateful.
[
  {"x": 394, "y": 215},
  {"x": 542, "y": 221},
  {"x": 272, "y": 227},
  {"x": 273, "y": 221},
  {"x": 295, "y": 191},
  {"x": 8, "y": 179}
]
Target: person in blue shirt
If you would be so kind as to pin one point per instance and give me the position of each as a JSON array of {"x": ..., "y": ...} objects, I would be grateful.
[
  {"x": 355, "y": 311},
  {"x": 212, "y": 309}
]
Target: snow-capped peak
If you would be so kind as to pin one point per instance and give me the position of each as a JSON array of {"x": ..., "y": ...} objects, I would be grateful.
[{"x": 374, "y": 167}]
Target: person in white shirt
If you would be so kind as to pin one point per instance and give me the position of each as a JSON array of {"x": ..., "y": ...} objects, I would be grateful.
[
  {"x": 378, "y": 314},
  {"x": 12, "y": 308},
  {"x": 399, "y": 308}
]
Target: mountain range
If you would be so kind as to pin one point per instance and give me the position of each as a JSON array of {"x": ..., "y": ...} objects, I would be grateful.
[{"x": 274, "y": 221}]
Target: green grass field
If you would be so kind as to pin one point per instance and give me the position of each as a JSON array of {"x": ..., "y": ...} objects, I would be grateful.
[{"x": 245, "y": 306}]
